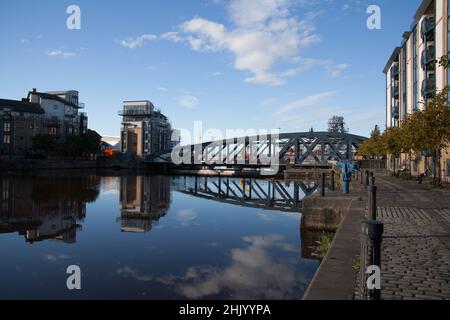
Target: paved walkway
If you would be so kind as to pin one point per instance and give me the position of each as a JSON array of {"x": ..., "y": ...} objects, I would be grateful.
[{"x": 416, "y": 242}]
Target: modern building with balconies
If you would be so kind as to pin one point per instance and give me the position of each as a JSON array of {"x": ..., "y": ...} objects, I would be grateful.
[
  {"x": 146, "y": 133},
  {"x": 412, "y": 74},
  {"x": 62, "y": 111}
]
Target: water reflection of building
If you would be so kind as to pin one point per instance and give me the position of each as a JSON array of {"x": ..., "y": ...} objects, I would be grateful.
[
  {"x": 43, "y": 208},
  {"x": 143, "y": 200}
]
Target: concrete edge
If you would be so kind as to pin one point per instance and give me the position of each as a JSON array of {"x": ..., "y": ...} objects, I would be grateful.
[{"x": 335, "y": 278}]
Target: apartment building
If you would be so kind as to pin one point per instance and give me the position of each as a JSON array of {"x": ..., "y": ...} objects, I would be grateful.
[
  {"x": 20, "y": 121},
  {"x": 143, "y": 201},
  {"x": 41, "y": 113},
  {"x": 412, "y": 75},
  {"x": 45, "y": 209},
  {"x": 62, "y": 111},
  {"x": 145, "y": 132}
]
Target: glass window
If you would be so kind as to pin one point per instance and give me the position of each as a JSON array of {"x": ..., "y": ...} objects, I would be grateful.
[
  {"x": 415, "y": 73},
  {"x": 7, "y": 127},
  {"x": 448, "y": 42},
  {"x": 405, "y": 96},
  {"x": 7, "y": 139}
]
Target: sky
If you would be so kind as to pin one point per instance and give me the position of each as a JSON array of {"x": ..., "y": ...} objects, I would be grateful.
[{"x": 238, "y": 64}]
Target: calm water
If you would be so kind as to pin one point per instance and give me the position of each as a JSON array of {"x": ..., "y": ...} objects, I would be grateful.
[{"x": 153, "y": 237}]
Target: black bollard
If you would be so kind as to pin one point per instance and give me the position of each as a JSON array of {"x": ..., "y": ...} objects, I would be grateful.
[
  {"x": 367, "y": 179},
  {"x": 372, "y": 205},
  {"x": 371, "y": 239},
  {"x": 323, "y": 184},
  {"x": 372, "y": 181},
  {"x": 333, "y": 187}
]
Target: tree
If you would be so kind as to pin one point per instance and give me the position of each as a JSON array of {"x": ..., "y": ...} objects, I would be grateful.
[
  {"x": 432, "y": 130},
  {"x": 84, "y": 145},
  {"x": 373, "y": 147},
  {"x": 45, "y": 143},
  {"x": 391, "y": 140}
]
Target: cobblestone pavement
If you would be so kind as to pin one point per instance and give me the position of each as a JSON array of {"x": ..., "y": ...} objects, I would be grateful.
[{"x": 416, "y": 241}]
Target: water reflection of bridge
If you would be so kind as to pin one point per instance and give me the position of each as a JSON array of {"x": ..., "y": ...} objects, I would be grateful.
[{"x": 256, "y": 193}]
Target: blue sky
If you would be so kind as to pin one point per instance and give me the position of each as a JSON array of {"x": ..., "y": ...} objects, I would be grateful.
[{"x": 262, "y": 64}]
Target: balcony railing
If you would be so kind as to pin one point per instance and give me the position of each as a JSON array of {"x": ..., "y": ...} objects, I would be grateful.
[
  {"x": 428, "y": 57},
  {"x": 427, "y": 27},
  {"x": 394, "y": 71},
  {"x": 428, "y": 87},
  {"x": 134, "y": 113},
  {"x": 396, "y": 112},
  {"x": 395, "y": 91}
]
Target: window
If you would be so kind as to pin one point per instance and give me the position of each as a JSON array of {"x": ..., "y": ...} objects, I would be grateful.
[
  {"x": 7, "y": 139},
  {"x": 405, "y": 96},
  {"x": 448, "y": 42},
  {"x": 7, "y": 127},
  {"x": 415, "y": 73}
]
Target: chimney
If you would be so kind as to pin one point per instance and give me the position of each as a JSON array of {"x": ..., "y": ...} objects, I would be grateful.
[{"x": 34, "y": 90}]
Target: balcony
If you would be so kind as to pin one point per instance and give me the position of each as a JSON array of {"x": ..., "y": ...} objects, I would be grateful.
[
  {"x": 134, "y": 113},
  {"x": 428, "y": 60},
  {"x": 395, "y": 91},
  {"x": 427, "y": 28},
  {"x": 428, "y": 87},
  {"x": 395, "y": 72},
  {"x": 396, "y": 112}
]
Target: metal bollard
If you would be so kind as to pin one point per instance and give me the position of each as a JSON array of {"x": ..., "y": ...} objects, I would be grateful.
[
  {"x": 372, "y": 181},
  {"x": 367, "y": 179},
  {"x": 371, "y": 235},
  {"x": 333, "y": 187},
  {"x": 372, "y": 205},
  {"x": 323, "y": 184}
]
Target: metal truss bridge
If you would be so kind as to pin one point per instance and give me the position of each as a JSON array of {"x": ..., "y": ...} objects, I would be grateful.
[
  {"x": 307, "y": 148},
  {"x": 285, "y": 196}
]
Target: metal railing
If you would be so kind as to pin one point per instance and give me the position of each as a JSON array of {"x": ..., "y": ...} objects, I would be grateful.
[{"x": 371, "y": 235}]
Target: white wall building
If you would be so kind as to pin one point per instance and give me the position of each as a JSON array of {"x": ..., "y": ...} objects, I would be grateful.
[
  {"x": 412, "y": 75},
  {"x": 62, "y": 109}
]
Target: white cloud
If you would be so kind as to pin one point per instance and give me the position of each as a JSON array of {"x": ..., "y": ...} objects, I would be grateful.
[
  {"x": 336, "y": 71},
  {"x": 136, "y": 42},
  {"x": 264, "y": 33},
  {"x": 24, "y": 40},
  {"x": 60, "y": 53},
  {"x": 254, "y": 273},
  {"x": 310, "y": 101},
  {"x": 162, "y": 88},
  {"x": 57, "y": 257},
  {"x": 267, "y": 102},
  {"x": 172, "y": 36},
  {"x": 187, "y": 101},
  {"x": 216, "y": 73}
]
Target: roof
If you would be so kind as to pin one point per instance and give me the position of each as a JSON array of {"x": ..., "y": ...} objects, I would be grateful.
[
  {"x": 21, "y": 106},
  {"x": 52, "y": 97},
  {"x": 423, "y": 7},
  {"x": 391, "y": 59},
  {"x": 61, "y": 92}
]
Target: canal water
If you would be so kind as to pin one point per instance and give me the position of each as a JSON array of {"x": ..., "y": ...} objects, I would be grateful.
[{"x": 153, "y": 237}]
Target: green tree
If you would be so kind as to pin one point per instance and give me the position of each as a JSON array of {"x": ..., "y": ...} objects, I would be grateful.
[
  {"x": 45, "y": 143},
  {"x": 391, "y": 141},
  {"x": 373, "y": 147},
  {"x": 432, "y": 130}
]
